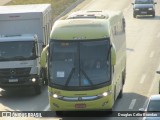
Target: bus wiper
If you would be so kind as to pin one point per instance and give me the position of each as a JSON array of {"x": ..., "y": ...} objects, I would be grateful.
[
  {"x": 84, "y": 73},
  {"x": 70, "y": 75}
]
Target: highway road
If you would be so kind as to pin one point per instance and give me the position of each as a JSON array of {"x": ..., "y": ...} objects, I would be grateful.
[{"x": 143, "y": 56}]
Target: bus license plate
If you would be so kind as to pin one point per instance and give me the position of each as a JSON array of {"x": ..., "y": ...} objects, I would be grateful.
[
  {"x": 13, "y": 80},
  {"x": 80, "y": 106}
]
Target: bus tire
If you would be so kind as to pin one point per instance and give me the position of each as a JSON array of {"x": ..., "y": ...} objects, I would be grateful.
[
  {"x": 37, "y": 89},
  {"x": 115, "y": 94},
  {"x": 123, "y": 82},
  {"x": 120, "y": 93},
  {"x": 124, "y": 76}
]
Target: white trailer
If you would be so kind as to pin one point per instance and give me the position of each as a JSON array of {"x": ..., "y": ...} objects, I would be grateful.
[{"x": 21, "y": 26}]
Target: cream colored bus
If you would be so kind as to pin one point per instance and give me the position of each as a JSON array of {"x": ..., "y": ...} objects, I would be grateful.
[{"x": 86, "y": 61}]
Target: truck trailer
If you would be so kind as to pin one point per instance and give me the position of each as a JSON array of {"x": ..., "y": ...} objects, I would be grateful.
[{"x": 24, "y": 31}]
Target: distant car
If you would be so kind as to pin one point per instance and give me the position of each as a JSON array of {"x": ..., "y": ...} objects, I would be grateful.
[
  {"x": 143, "y": 7},
  {"x": 153, "y": 105}
]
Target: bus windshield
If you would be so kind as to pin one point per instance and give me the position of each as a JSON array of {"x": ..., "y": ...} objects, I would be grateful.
[
  {"x": 17, "y": 50},
  {"x": 78, "y": 64}
]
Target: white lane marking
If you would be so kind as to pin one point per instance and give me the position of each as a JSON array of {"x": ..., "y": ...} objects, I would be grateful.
[
  {"x": 152, "y": 54},
  {"x": 132, "y": 104},
  {"x": 47, "y": 108},
  {"x": 145, "y": 104},
  {"x": 142, "y": 79}
]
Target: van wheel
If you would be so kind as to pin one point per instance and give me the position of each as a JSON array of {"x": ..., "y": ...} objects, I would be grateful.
[
  {"x": 153, "y": 14},
  {"x": 134, "y": 15},
  {"x": 114, "y": 94},
  {"x": 37, "y": 89}
]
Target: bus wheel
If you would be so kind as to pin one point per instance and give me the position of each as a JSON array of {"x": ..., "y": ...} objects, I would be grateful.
[
  {"x": 114, "y": 94},
  {"x": 37, "y": 89},
  {"x": 120, "y": 93}
]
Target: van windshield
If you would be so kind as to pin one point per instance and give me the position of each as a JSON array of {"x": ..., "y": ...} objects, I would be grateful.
[
  {"x": 144, "y": 2},
  {"x": 17, "y": 50}
]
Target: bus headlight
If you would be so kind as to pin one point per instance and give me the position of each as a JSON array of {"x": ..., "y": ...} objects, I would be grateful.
[
  {"x": 105, "y": 94},
  {"x": 55, "y": 95}
]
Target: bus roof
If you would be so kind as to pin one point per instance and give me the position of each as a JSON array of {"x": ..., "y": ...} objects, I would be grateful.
[
  {"x": 88, "y": 14},
  {"x": 83, "y": 28}
]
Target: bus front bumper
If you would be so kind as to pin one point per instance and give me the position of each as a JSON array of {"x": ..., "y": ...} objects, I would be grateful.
[{"x": 104, "y": 103}]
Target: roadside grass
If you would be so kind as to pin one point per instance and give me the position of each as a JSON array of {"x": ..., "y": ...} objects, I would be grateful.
[{"x": 58, "y": 6}]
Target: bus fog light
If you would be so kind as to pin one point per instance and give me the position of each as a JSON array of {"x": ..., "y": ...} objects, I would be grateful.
[
  {"x": 33, "y": 79},
  {"x": 105, "y": 103},
  {"x": 105, "y": 94}
]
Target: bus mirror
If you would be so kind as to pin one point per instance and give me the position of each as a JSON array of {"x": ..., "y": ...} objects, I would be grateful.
[
  {"x": 113, "y": 55},
  {"x": 43, "y": 58}
]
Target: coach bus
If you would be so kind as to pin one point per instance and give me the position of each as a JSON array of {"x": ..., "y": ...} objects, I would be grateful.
[{"x": 86, "y": 61}]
